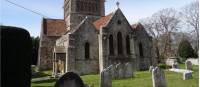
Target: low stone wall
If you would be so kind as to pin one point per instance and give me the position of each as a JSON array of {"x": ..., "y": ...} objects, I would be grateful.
[{"x": 194, "y": 61}]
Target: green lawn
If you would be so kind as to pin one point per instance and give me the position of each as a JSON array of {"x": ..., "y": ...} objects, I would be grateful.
[{"x": 141, "y": 79}]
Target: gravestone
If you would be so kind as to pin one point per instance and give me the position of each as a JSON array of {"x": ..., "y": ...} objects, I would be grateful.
[
  {"x": 187, "y": 75},
  {"x": 158, "y": 77},
  {"x": 194, "y": 61},
  {"x": 151, "y": 68},
  {"x": 117, "y": 67},
  {"x": 128, "y": 70},
  {"x": 105, "y": 79},
  {"x": 175, "y": 65},
  {"x": 15, "y": 57},
  {"x": 120, "y": 70},
  {"x": 112, "y": 70},
  {"x": 70, "y": 79},
  {"x": 188, "y": 65}
]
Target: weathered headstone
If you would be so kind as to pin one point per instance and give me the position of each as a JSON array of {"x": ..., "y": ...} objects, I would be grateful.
[
  {"x": 187, "y": 75},
  {"x": 128, "y": 70},
  {"x": 15, "y": 57},
  {"x": 194, "y": 61},
  {"x": 117, "y": 67},
  {"x": 121, "y": 71},
  {"x": 112, "y": 70},
  {"x": 69, "y": 79},
  {"x": 158, "y": 77},
  {"x": 175, "y": 65},
  {"x": 106, "y": 79},
  {"x": 151, "y": 68},
  {"x": 188, "y": 65}
]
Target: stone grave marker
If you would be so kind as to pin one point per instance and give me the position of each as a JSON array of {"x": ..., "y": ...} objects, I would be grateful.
[
  {"x": 187, "y": 75},
  {"x": 188, "y": 65},
  {"x": 151, "y": 68},
  {"x": 117, "y": 67},
  {"x": 70, "y": 79},
  {"x": 121, "y": 71},
  {"x": 15, "y": 57},
  {"x": 112, "y": 70},
  {"x": 128, "y": 70},
  {"x": 158, "y": 77},
  {"x": 106, "y": 78},
  {"x": 175, "y": 65}
]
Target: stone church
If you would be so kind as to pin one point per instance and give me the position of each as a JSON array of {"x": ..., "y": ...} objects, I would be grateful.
[{"x": 86, "y": 41}]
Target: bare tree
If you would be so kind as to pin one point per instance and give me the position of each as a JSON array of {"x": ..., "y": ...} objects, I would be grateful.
[
  {"x": 169, "y": 23},
  {"x": 161, "y": 27},
  {"x": 190, "y": 14},
  {"x": 152, "y": 28}
]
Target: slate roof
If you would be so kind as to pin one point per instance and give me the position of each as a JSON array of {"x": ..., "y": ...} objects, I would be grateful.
[
  {"x": 102, "y": 21},
  {"x": 54, "y": 27}
]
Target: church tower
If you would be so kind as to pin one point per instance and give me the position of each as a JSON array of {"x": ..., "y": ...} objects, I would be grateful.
[{"x": 76, "y": 10}]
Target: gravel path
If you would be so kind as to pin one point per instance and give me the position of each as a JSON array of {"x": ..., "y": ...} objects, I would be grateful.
[{"x": 41, "y": 79}]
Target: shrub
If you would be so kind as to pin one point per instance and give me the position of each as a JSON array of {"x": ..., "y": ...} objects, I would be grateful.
[
  {"x": 162, "y": 66},
  {"x": 34, "y": 69},
  {"x": 180, "y": 60}
]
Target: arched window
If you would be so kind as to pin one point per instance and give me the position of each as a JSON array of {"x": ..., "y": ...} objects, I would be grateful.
[
  {"x": 111, "y": 48},
  {"x": 128, "y": 45},
  {"x": 119, "y": 40},
  {"x": 141, "y": 50},
  {"x": 87, "y": 50}
]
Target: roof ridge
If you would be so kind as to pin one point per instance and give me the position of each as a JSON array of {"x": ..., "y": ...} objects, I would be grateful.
[
  {"x": 79, "y": 25},
  {"x": 137, "y": 25},
  {"x": 103, "y": 20},
  {"x": 52, "y": 19}
]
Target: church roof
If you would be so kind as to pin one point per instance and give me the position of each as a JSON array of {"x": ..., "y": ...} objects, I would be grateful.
[
  {"x": 54, "y": 27},
  {"x": 102, "y": 21},
  {"x": 137, "y": 26}
]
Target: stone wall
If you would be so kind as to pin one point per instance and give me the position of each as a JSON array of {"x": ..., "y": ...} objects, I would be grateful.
[
  {"x": 46, "y": 52},
  {"x": 73, "y": 16},
  {"x": 146, "y": 41},
  {"x": 86, "y": 34},
  {"x": 75, "y": 42}
]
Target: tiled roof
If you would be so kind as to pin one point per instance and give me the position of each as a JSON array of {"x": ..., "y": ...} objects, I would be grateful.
[
  {"x": 102, "y": 21},
  {"x": 54, "y": 27}
]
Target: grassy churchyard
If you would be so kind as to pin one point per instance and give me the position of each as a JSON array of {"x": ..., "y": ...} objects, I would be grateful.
[{"x": 141, "y": 79}]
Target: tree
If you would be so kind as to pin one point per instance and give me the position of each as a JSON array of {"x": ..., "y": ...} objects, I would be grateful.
[
  {"x": 153, "y": 29},
  {"x": 35, "y": 47},
  {"x": 190, "y": 15},
  {"x": 185, "y": 49},
  {"x": 168, "y": 21},
  {"x": 161, "y": 27}
]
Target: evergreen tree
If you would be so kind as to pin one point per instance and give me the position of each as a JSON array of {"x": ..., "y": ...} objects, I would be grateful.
[
  {"x": 185, "y": 49},
  {"x": 35, "y": 47}
]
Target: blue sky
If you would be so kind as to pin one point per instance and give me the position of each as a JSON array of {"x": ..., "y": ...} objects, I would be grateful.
[{"x": 132, "y": 9}]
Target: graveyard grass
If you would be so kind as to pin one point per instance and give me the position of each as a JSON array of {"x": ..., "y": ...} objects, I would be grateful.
[{"x": 141, "y": 79}]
